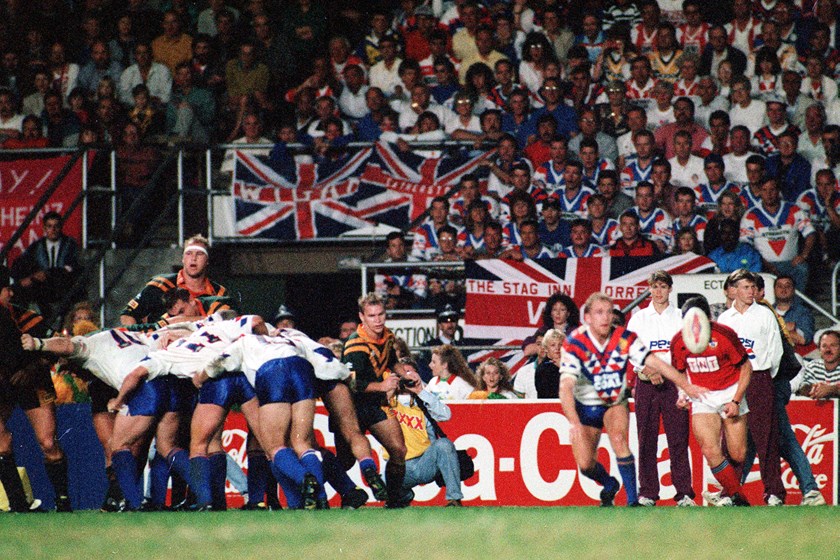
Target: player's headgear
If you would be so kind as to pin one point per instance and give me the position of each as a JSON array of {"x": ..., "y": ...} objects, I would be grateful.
[{"x": 283, "y": 312}]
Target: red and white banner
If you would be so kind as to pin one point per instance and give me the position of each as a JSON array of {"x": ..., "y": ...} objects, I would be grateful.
[
  {"x": 523, "y": 456},
  {"x": 22, "y": 183}
]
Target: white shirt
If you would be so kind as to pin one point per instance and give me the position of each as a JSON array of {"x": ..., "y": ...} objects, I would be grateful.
[
  {"x": 227, "y": 162},
  {"x": 454, "y": 388},
  {"x": 386, "y": 79},
  {"x": 159, "y": 82},
  {"x": 735, "y": 167},
  {"x": 657, "y": 329},
  {"x": 353, "y": 104},
  {"x": 111, "y": 355},
  {"x": 759, "y": 333},
  {"x": 689, "y": 175},
  {"x": 524, "y": 382},
  {"x": 752, "y": 116}
]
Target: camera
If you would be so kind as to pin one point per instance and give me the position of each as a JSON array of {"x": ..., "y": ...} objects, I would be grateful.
[{"x": 406, "y": 383}]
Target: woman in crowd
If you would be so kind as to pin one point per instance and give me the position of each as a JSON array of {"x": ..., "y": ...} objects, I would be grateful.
[
  {"x": 536, "y": 54},
  {"x": 729, "y": 206},
  {"x": 493, "y": 381},
  {"x": 453, "y": 379},
  {"x": 547, "y": 377},
  {"x": 560, "y": 313}
]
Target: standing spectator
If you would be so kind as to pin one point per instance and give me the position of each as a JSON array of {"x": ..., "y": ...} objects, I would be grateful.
[
  {"x": 656, "y": 397},
  {"x": 62, "y": 125},
  {"x": 791, "y": 169},
  {"x": 123, "y": 43},
  {"x": 101, "y": 64},
  {"x": 756, "y": 326},
  {"x": 731, "y": 254},
  {"x": 191, "y": 110},
  {"x": 799, "y": 323},
  {"x": 547, "y": 374},
  {"x": 173, "y": 46},
  {"x": 823, "y": 204},
  {"x": 33, "y": 104},
  {"x": 154, "y": 75},
  {"x": 385, "y": 73},
  {"x": 64, "y": 74},
  {"x": 304, "y": 25}
]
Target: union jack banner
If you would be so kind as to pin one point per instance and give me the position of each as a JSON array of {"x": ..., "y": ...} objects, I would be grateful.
[
  {"x": 377, "y": 185},
  {"x": 506, "y": 299}
]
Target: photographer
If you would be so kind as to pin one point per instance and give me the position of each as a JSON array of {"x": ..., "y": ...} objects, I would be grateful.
[{"x": 429, "y": 456}]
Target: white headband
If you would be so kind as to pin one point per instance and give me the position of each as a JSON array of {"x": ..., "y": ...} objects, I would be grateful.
[{"x": 200, "y": 248}]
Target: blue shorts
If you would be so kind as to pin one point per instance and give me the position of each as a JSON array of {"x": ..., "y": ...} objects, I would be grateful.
[
  {"x": 226, "y": 391},
  {"x": 591, "y": 415},
  {"x": 285, "y": 380},
  {"x": 156, "y": 397}
]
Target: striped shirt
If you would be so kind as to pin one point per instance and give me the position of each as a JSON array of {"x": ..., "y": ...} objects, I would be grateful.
[{"x": 815, "y": 372}]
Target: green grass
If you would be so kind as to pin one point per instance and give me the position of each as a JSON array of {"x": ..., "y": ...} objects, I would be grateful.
[{"x": 431, "y": 534}]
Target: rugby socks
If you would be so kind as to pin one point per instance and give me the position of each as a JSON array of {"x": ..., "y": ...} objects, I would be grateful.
[
  {"x": 57, "y": 473},
  {"x": 728, "y": 478},
  {"x": 10, "y": 479},
  {"x": 294, "y": 499},
  {"x": 367, "y": 463},
  {"x": 334, "y": 474},
  {"x": 257, "y": 476},
  {"x": 286, "y": 462},
  {"x": 394, "y": 476},
  {"x": 178, "y": 460},
  {"x": 312, "y": 464},
  {"x": 125, "y": 468},
  {"x": 598, "y": 474},
  {"x": 200, "y": 480},
  {"x": 218, "y": 476},
  {"x": 627, "y": 469},
  {"x": 113, "y": 486},
  {"x": 159, "y": 480}
]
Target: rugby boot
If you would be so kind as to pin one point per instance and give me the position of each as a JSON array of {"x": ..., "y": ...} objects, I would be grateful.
[
  {"x": 377, "y": 485},
  {"x": 611, "y": 488},
  {"x": 309, "y": 492},
  {"x": 354, "y": 499}
]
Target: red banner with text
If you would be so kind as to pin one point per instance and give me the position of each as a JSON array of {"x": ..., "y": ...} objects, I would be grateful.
[
  {"x": 523, "y": 456},
  {"x": 22, "y": 183}
]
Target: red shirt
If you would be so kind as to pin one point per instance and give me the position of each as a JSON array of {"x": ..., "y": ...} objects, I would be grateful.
[
  {"x": 719, "y": 366},
  {"x": 641, "y": 247}
]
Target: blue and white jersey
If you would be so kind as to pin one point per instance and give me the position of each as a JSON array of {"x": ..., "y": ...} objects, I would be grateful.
[
  {"x": 550, "y": 178},
  {"x": 592, "y": 250},
  {"x": 656, "y": 226},
  {"x": 112, "y": 354},
  {"x": 591, "y": 179},
  {"x": 608, "y": 234},
  {"x": 600, "y": 370},
  {"x": 573, "y": 207},
  {"x": 708, "y": 196},
  {"x": 190, "y": 355},
  {"x": 633, "y": 174},
  {"x": 250, "y": 352}
]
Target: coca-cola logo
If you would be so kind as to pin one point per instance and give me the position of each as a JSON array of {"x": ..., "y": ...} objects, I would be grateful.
[{"x": 813, "y": 444}]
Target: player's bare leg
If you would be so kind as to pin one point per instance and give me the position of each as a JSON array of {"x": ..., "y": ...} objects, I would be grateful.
[
  {"x": 617, "y": 426},
  {"x": 706, "y": 428},
  {"x": 43, "y": 424},
  {"x": 9, "y": 477}
]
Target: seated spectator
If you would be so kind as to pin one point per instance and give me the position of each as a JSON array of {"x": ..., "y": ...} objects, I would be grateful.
[
  {"x": 429, "y": 453},
  {"x": 62, "y": 125},
  {"x": 445, "y": 84},
  {"x": 251, "y": 127},
  {"x": 421, "y": 102},
  {"x": 353, "y": 99},
  {"x": 550, "y": 174},
  {"x": 547, "y": 376},
  {"x": 631, "y": 243},
  {"x": 604, "y": 230},
  {"x": 463, "y": 121},
  {"x": 484, "y": 52},
  {"x": 615, "y": 200},
  {"x": 154, "y": 75},
  {"x": 150, "y": 121},
  {"x": 48, "y": 269},
  {"x": 564, "y": 116},
  {"x": 426, "y": 244},
  {"x": 208, "y": 73},
  {"x": 520, "y": 207},
  {"x": 11, "y": 122},
  {"x": 774, "y": 229},
  {"x": 530, "y": 247},
  {"x": 79, "y": 105},
  {"x": 731, "y": 254},
  {"x": 191, "y": 110},
  {"x": 823, "y": 204},
  {"x": 320, "y": 79},
  {"x": 453, "y": 379},
  {"x": 686, "y": 168},
  {"x": 173, "y": 46},
  {"x": 123, "y": 41},
  {"x": 369, "y": 126},
  {"x": 538, "y": 150},
  {"x": 683, "y": 120},
  {"x": 108, "y": 120},
  {"x": 471, "y": 238},
  {"x": 500, "y": 181},
  {"x": 791, "y": 168},
  {"x": 685, "y": 216},
  {"x": 554, "y": 232},
  {"x": 136, "y": 162},
  {"x": 686, "y": 242},
  {"x": 63, "y": 73},
  {"x": 493, "y": 247},
  {"x": 326, "y": 110},
  {"x": 654, "y": 223},
  {"x": 493, "y": 381},
  {"x": 590, "y": 129},
  {"x": 582, "y": 245},
  {"x": 592, "y": 163},
  {"x": 33, "y": 104},
  {"x": 227, "y": 39},
  {"x": 31, "y": 137},
  {"x": 101, "y": 64},
  {"x": 447, "y": 240},
  {"x": 385, "y": 73},
  {"x": 821, "y": 378},
  {"x": 247, "y": 78}
]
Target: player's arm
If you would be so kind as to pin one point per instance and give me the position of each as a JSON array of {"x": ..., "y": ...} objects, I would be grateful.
[
  {"x": 60, "y": 346},
  {"x": 129, "y": 385},
  {"x": 671, "y": 374}
]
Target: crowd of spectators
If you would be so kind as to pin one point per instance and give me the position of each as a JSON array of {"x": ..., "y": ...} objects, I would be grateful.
[{"x": 621, "y": 128}]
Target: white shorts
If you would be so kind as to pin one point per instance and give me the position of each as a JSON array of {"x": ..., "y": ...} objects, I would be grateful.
[{"x": 714, "y": 401}]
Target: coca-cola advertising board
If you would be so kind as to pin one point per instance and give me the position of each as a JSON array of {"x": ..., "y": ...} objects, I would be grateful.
[{"x": 523, "y": 456}]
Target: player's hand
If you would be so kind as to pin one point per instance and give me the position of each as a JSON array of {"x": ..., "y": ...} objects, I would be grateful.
[
  {"x": 390, "y": 383},
  {"x": 694, "y": 391},
  {"x": 199, "y": 379},
  {"x": 27, "y": 342},
  {"x": 683, "y": 402},
  {"x": 730, "y": 410},
  {"x": 114, "y": 405},
  {"x": 655, "y": 378},
  {"x": 820, "y": 391}
]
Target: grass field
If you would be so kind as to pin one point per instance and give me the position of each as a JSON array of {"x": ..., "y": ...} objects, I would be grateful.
[{"x": 431, "y": 533}]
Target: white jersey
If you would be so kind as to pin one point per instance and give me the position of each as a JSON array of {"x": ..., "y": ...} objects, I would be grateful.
[
  {"x": 656, "y": 329},
  {"x": 189, "y": 356},
  {"x": 111, "y": 355},
  {"x": 454, "y": 388},
  {"x": 250, "y": 352},
  {"x": 758, "y": 331}
]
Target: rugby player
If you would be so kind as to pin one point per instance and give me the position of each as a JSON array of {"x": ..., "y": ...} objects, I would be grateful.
[
  {"x": 724, "y": 368},
  {"x": 593, "y": 392}
]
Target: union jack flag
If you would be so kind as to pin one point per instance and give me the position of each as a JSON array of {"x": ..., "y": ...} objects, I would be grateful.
[
  {"x": 506, "y": 299},
  {"x": 377, "y": 185}
]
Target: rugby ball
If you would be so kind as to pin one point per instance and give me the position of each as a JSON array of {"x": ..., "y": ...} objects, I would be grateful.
[{"x": 696, "y": 330}]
